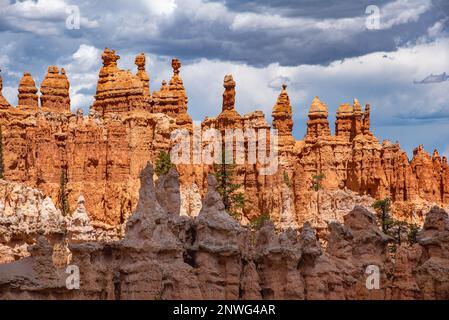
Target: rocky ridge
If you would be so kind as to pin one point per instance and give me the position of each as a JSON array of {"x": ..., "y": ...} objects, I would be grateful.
[
  {"x": 102, "y": 153},
  {"x": 167, "y": 256}
]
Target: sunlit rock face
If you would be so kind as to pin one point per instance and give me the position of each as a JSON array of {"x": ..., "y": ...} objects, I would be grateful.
[
  {"x": 167, "y": 256},
  {"x": 101, "y": 154}
]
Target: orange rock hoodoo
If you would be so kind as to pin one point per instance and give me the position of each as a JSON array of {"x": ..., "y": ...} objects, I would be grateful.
[
  {"x": 3, "y": 103},
  {"x": 28, "y": 97},
  {"x": 102, "y": 154},
  {"x": 55, "y": 91},
  {"x": 172, "y": 99}
]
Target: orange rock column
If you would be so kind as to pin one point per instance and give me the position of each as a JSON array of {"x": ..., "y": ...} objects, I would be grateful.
[
  {"x": 55, "y": 91},
  {"x": 318, "y": 125},
  {"x": 3, "y": 103},
  {"x": 28, "y": 98}
]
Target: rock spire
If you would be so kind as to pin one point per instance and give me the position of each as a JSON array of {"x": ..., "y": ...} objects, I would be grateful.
[
  {"x": 3, "y": 103},
  {"x": 55, "y": 91},
  {"x": 28, "y": 97}
]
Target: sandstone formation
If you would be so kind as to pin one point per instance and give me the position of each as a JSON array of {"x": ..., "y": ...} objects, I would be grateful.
[
  {"x": 55, "y": 91},
  {"x": 119, "y": 91},
  {"x": 101, "y": 154},
  {"x": 28, "y": 97},
  {"x": 3, "y": 103},
  {"x": 172, "y": 99},
  {"x": 26, "y": 214},
  {"x": 165, "y": 256}
]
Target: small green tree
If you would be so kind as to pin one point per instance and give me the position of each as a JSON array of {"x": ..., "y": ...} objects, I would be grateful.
[
  {"x": 63, "y": 201},
  {"x": 2, "y": 164},
  {"x": 399, "y": 228},
  {"x": 163, "y": 163},
  {"x": 287, "y": 179},
  {"x": 317, "y": 180},
  {"x": 257, "y": 222},
  {"x": 413, "y": 230},
  {"x": 383, "y": 208},
  {"x": 316, "y": 185},
  {"x": 233, "y": 200}
]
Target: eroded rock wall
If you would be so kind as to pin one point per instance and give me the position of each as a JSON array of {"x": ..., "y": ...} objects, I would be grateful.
[
  {"x": 165, "y": 256},
  {"x": 101, "y": 154}
]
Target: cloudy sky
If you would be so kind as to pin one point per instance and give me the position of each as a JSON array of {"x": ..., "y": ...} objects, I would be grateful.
[{"x": 324, "y": 48}]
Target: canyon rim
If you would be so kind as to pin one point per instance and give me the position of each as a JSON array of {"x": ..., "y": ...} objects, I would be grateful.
[{"x": 110, "y": 189}]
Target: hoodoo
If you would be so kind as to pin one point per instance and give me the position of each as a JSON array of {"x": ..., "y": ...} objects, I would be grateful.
[
  {"x": 100, "y": 155},
  {"x": 28, "y": 98}
]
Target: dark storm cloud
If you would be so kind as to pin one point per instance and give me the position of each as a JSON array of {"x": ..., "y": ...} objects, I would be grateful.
[
  {"x": 190, "y": 35},
  {"x": 257, "y": 35},
  {"x": 306, "y": 8}
]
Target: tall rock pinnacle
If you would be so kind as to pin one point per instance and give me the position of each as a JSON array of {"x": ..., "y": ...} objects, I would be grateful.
[
  {"x": 366, "y": 128},
  {"x": 119, "y": 91},
  {"x": 357, "y": 120},
  {"x": 229, "y": 117},
  {"x": 317, "y": 125},
  {"x": 229, "y": 94},
  {"x": 28, "y": 92},
  {"x": 343, "y": 124},
  {"x": 172, "y": 99},
  {"x": 3, "y": 103},
  {"x": 142, "y": 74},
  {"x": 55, "y": 91},
  {"x": 282, "y": 117}
]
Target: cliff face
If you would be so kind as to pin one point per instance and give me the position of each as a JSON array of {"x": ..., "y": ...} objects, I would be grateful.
[
  {"x": 26, "y": 214},
  {"x": 165, "y": 256},
  {"x": 100, "y": 155}
]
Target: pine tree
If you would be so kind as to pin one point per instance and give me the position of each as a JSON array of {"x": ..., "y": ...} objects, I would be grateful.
[
  {"x": 412, "y": 233},
  {"x": 2, "y": 164},
  {"x": 163, "y": 163},
  {"x": 316, "y": 185},
  {"x": 233, "y": 201},
  {"x": 383, "y": 208},
  {"x": 63, "y": 201}
]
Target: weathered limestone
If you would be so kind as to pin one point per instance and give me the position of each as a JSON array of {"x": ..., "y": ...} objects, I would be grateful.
[
  {"x": 282, "y": 118},
  {"x": 172, "y": 99},
  {"x": 142, "y": 74},
  {"x": 165, "y": 256},
  {"x": 55, "y": 91},
  {"x": 3, "y": 103},
  {"x": 343, "y": 125},
  {"x": 317, "y": 126},
  {"x": 119, "y": 91},
  {"x": 102, "y": 153},
  {"x": 229, "y": 117},
  {"x": 28, "y": 98}
]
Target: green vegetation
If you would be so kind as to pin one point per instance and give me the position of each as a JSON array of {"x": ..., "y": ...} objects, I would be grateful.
[
  {"x": 287, "y": 179},
  {"x": 383, "y": 208},
  {"x": 233, "y": 200},
  {"x": 163, "y": 163},
  {"x": 398, "y": 230},
  {"x": 413, "y": 232},
  {"x": 63, "y": 201},
  {"x": 316, "y": 181},
  {"x": 257, "y": 223}
]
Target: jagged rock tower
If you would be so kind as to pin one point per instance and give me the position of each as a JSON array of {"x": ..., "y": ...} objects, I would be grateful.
[
  {"x": 3, "y": 103},
  {"x": 28, "y": 98},
  {"x": 55, "y": 91}
]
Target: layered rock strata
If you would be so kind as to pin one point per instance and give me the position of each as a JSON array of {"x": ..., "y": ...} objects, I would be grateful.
[
  {"x": 26, "y": 214},
  {"x": 165, "y": 256},
  {"x": 101, "y": 154}
]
